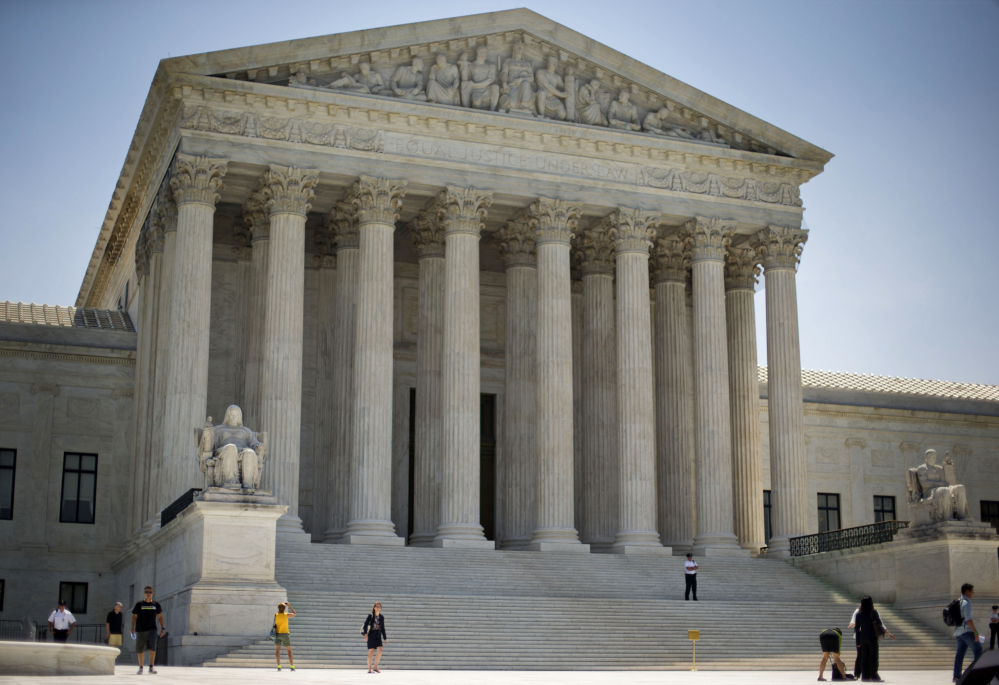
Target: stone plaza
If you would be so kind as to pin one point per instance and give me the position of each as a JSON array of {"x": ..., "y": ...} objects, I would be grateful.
[{"x": 476, "y": 300}]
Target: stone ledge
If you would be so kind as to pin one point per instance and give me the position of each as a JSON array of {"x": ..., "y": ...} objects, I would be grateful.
[{"x": 51, "y": 659}]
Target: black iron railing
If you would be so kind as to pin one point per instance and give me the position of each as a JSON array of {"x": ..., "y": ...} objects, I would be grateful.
[
  {"x": 173, "y": 509},
  {"x": 88, "y": 633},
  {"x": 845, "y": 538},
  {"x": 17, "y": 630}
]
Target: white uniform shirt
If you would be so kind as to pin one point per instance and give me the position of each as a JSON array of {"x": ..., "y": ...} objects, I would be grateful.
[
  {"x": 61, "y": 620},
  {"x": 690, "y": 567}
]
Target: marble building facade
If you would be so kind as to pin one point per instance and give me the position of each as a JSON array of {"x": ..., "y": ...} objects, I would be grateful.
[{"x": 488, "y": 285}]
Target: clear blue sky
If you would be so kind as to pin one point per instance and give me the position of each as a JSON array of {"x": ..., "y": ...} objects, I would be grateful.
[{"x": 899, "y": 276}]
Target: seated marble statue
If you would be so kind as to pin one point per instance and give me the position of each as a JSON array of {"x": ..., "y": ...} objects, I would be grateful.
[
  {"x": 551, "y": 91},
  {"x": 407, "y": 81},
  {"x": 231, "y": 455},
  {"x": 444, "y": 82},
  {"x": 366, "y": 81},
  {"x": 622, "y": 114},
  {"x": 589, "y": 109},
  {"x": 517, "y": 83},
  {"x": 479, "y": 89},
  {"x": 655, "y": 122},
  {"x": 934, "y": 493}
]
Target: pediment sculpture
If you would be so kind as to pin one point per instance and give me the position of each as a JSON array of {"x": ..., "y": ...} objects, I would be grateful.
[
  {"x": 934, "y": 493},
  {"x": 230, "y": 454}
]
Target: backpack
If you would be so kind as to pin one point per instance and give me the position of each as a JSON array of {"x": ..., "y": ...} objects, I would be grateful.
[{"x": 952, "y": 614}]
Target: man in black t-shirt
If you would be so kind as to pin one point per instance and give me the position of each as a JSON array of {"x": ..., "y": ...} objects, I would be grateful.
[
  {"x": 113, "y": 625},
  {"x": 144, "y": 616}
]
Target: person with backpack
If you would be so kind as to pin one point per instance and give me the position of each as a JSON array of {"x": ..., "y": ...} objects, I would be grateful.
[
  {"x": 282, "y": 635},
  {"x": 869, "y": 629},
  {"x": 965, "y": 631},
  {"x": 831, "y": 641}
]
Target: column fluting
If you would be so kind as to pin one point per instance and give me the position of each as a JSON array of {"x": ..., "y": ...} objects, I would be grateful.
[
  {"x": 741, "y": 271},
  {"x": 554, "y": 221},
  {"x": 633, "y": 230},
  {"x": 577, "y": 395},
  {"x": 462, "y": 212},
  {"x": 517, "y": 245},
  {"x": 325, "y": 407},
  {"x": 779, "y": 249},
  {"x": 378, "y": 203},
  {"x": 713, "y": 428},
  {"x": 257, "y": 220}
]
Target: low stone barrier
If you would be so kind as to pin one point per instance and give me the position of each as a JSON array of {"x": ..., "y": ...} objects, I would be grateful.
[{"x": 50, "y": 658}]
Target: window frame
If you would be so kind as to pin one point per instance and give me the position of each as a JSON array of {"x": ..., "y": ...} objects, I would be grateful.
[
  {"x": 13, "y": 482},
  {"x": 79, "y": 472},
  {"x": 838, "y": 509},
  {"x": 71, "y": 602},
  {"x": 894, "y": 508},
  {"x": 992, "y": 518}
]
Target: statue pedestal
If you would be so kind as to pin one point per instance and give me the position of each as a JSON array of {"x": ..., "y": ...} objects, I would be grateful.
[
  {"x": 933, "y": 561},
  {"x": 212, "y": 569}
]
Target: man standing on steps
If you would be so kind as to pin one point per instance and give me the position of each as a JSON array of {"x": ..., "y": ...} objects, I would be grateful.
[
  {"x": 966, "y": 634},
  {"x": 690, "y": 577}
]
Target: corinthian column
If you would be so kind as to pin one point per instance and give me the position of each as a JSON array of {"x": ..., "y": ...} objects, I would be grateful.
[
  {"x": 633, "y": 230},
  {"x": 428, "y": 237},
  {"x": 378, "y": 201},
  {"x": 675, "y": 483},
  {"x": 779, "y": 249},
  {"x": 289, "y": 190},
  {"x": 555, "y": 526},
  {"x": 712, "y": 421},
  {"x": 516, "y": 241},
  {"x": 342, "y": 221},
  {"x": 462, "y": 212},
  {"x": 258, "y": 222},
  {"x": 195, "y": 182},
  {"x": 595, "y": 256},
  {"x": 744, "y": 395},
  {"x": 325, "y": 391}
]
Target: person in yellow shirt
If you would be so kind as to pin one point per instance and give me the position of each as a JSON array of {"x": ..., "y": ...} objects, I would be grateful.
[{"x": 283, "y": 636}]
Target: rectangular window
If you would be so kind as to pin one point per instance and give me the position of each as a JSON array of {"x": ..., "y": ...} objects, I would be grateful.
[
  {"x": 8, "y": 461},
  {"x": 2, "y": 582},
  {"x": 767, "y": 509},
  {"x": 828, "y": 512},
  {"x": 75, "y": 596},
  {"x": 79, "y": 488},
  {"x": 884, "y": 508},
  {"x": 990, "y": 513}
]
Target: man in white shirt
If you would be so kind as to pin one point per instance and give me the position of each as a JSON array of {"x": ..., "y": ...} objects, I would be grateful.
[
  {"x": 690, "y": 577},
  {"x": 61, "y": 623},
  {"x": 994, "y": 626}
]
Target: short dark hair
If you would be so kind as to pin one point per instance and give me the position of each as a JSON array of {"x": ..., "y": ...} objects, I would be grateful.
[
  {"x": 148, "y": 587},
  {"x": 994, "y": 607},
  {"x": 689, "y": 554},
  {"x": 866, "y": 604},
  {"x": 966, "y": 587}
]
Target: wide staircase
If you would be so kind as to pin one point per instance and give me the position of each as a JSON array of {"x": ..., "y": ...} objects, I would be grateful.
[{"x": 459, "y": 609}]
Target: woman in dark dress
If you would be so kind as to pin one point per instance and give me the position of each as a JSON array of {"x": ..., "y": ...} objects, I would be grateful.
[
  {"x": 374, "y": 632},
  {"x": 869, "y": 629}
]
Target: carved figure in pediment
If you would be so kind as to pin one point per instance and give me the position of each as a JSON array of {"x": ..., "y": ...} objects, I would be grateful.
[
  {"x": 551, "y": 91},
  {"x": 589, "y": 109},
  {"x": 479, "y": 89},
  {"x": 622, "y": 114},
  {"x": 407, "y": 81},
  {"x": 517, "y": 83},
  {"x": 710, "y": 136},
  {"x": 366, "y": 81},
  {"x": 444, "y": 82},
  {"x": 300, "y": 77},
  {"x": 655, "y": 122},
  {"x": 230, "y": 454},
  {"x": 934, "y": 493}
]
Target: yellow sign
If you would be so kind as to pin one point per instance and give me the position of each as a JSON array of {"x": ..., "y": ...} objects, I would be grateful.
[{"x": 693, "y": 635}]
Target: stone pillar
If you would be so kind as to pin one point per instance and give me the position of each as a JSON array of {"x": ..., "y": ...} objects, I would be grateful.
[
  {"x": 122, "y": 455},
  {"x": 713, "y": 429},
  {"x": 378, "y": 201},
  {"x": 741, "y": 271},
  {"x": 779, "y": 249},
  {"x": 428, "y": 237},
  {"x": 555, "y": 531},
  {"x": 195, "y": 182},
  {"x": 323, "y": 455},
  {"x": 595, "y": 256},
  {"x": 632, "y": 231},
  {"x": 342, "y": 220},
  {"x": 675, "y": 482},
  {"x": 31, "y": 521},
  {"x": 463, "y": 210},
  {"x": 289, "y": 190},
  {"x": 258, "y": 222},
  {"x": 243, "y": 251},
  {"x": 577, "y": 395},
  {"x": 517, "y": 244}
]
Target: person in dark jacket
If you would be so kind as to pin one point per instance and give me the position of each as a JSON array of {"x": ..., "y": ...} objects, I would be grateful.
[
  {"x": 868, "y": 628},
  {"x": 374, "y": 633}
]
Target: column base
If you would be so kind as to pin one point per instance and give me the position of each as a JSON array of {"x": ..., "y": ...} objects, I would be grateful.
[
  {"x": 641, "y": 550},
  {"x": 289, "y": 529},
  {"x": 779, "y": 548},
  {"x": 462, "y": 543},
  {"x": 562, "y": 547},
  {"x": 421, "y": 540},
  {"x": 680, "y": 547},
  {"x": 372, "y": 540},
  {"x": 718, "y": 545}
]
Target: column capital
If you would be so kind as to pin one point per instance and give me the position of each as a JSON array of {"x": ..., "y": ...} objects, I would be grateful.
[
  {"x": 166, "y": 211},
  {"x": 289, "y": 189},
  {"x": 197, "y": 179},
  {"x": 741, "y": 268},
  {"x": 708, "y": 238},
  {"x": 342, "y": 220},
  {"x": 517, "y": 242},
  {"x": 594, "y": 249},
  {"x": 670, "y": 260},
  {"x": 255, "y": 216},
  {"x": 325, "y": 244},
  {"x": 553, "y": 221},
  {"x": 463, "y": 209},
  {"x": 378, "y": 200},
  {"x": 427, "y": 230},
  {"x": 780, "y": 247},
  {"x": 633, "y": 229}
]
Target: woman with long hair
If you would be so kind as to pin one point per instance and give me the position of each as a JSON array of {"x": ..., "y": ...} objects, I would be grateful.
[
  {"x": 869, "y": 628},
  {"x": 374, "y": 633}
]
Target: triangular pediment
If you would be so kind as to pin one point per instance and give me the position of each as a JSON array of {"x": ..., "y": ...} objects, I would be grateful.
[{"x": 500, "y": 62}]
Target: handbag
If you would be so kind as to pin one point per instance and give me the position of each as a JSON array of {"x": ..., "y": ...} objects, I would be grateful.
[
  {"x": 272, "y": 636},
  {"x": 879, "y": 628}
]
